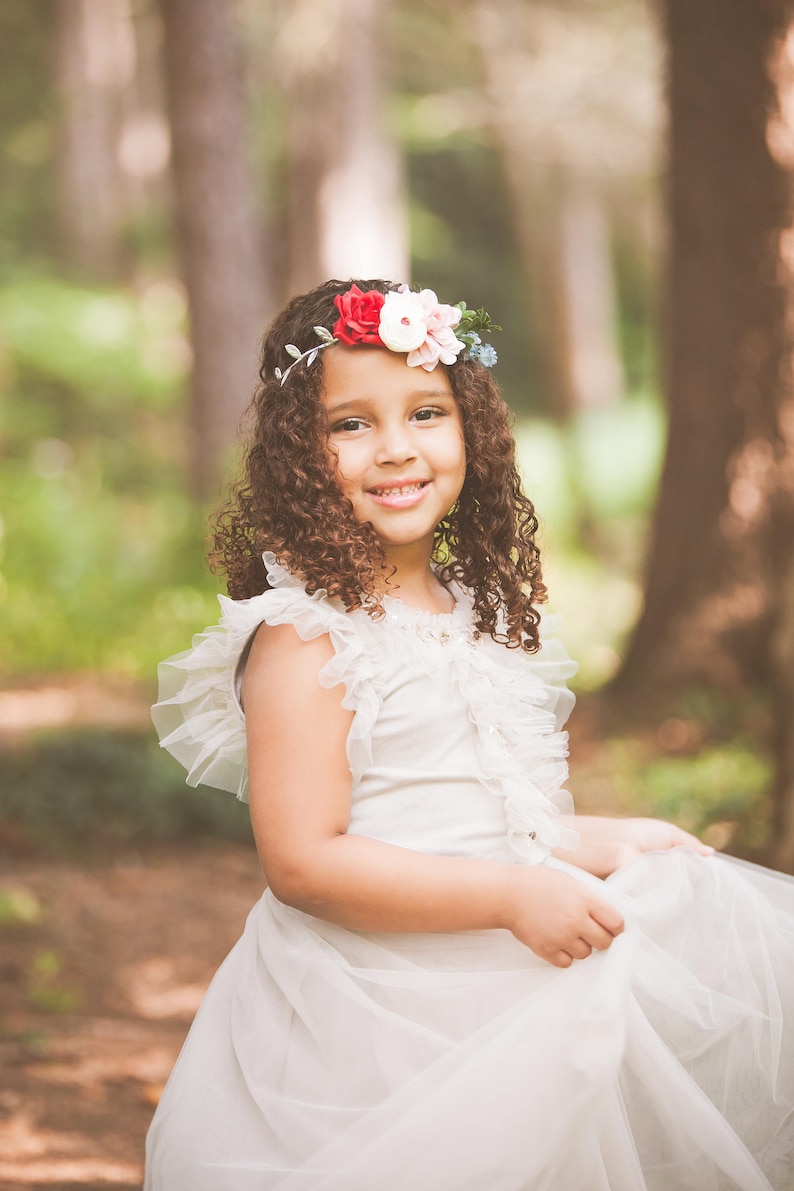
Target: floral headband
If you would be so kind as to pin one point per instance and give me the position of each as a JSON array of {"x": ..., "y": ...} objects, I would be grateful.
[{"x": 403, "y": 321}]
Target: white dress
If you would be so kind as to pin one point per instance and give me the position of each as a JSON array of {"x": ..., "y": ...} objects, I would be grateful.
[{"x": 327, "y": 1059}]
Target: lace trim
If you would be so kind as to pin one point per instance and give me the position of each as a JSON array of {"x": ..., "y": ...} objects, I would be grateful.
[{"x": 439, "y": 628}]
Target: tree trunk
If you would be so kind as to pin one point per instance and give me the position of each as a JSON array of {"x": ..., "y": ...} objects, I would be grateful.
[
  {"x": 563, "y": 231},
  {"x": 557, "y": 189},
  {"x": 218, "y": 226},
  {"x": 781, "y": 851},
  {"x": 95, "y": 60},
  {"x": 780, "y": 136},
  {"x": 722, "y": 534}
]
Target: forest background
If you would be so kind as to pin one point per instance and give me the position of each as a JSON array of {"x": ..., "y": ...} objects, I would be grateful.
[
  {"x": 594, "y": 172},
  {"x": 611, "y": 179}
]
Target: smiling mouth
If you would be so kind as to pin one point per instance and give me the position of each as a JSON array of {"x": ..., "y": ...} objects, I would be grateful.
[
  {"x": 400, "y": 490},
  {"x": 399, "y": 495}
]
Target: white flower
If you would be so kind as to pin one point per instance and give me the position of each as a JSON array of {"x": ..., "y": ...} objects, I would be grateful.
[{"x": 403, "y": 325}]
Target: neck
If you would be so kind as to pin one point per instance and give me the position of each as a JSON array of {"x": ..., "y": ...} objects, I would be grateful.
[{"x": 415, "y": 582}]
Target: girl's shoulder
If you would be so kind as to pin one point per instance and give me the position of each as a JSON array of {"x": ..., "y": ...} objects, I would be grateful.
[{"x": 199, "y": 716}]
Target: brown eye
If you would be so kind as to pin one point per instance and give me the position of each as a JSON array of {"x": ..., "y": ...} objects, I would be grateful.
[{"x": 347, "y": 425}]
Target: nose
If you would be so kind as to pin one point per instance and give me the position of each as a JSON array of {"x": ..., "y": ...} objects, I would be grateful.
[{"x": 395, "y": 444}]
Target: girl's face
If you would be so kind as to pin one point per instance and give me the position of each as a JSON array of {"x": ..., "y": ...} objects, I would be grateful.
[{"x": 396, "y": 436}]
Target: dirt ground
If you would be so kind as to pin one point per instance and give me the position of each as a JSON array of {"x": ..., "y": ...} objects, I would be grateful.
[{"x": 102, "y": 967}]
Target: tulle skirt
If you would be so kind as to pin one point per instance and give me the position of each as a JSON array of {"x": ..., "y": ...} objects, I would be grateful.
[{"x": 324, "y": 1059}]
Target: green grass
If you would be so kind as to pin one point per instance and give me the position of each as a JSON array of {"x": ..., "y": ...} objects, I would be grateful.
[{"x": 95, "y": 790}]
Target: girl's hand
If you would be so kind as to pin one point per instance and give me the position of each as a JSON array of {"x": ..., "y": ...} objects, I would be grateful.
[
  {"x": 606, "y": 844},
  {"x": 560, "y": 918},
  {"x": 635, "y": 836}
]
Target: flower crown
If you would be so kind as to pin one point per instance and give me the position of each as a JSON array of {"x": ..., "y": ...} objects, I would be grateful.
[{"x": 403, "y": 321}]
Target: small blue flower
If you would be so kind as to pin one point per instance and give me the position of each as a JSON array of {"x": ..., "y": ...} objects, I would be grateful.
[{"x": 484, "y": 354}]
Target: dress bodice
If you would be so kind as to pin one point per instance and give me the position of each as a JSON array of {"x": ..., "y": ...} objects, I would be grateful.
[{"x": 456, "y": 744}]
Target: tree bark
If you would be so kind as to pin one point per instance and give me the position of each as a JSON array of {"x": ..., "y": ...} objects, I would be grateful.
[
  {"x": 217, "y": 222},
  {"x": 722, "y": 533},
  {"x": 780, "y": 137},
  {"x": 781, "y": 850},
  {"x": 95, "y": 60}
]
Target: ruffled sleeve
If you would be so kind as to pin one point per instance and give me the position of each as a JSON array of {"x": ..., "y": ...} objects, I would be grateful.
[
  {"x": 198, "y": 715},
  {"x": 554, "y": 666}
]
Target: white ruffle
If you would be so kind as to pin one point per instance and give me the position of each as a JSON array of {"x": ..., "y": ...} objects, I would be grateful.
[
  {"x": 198, "y": 716},
  {"x": 523, "y": 754},
  {"x": 518, "y": 705}
]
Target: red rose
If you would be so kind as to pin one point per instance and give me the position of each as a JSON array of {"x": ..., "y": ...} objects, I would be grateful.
[{"x": 360, "y": 316}]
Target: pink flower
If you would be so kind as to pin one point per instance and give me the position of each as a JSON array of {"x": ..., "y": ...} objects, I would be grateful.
[{"x": 441, "y": 343}]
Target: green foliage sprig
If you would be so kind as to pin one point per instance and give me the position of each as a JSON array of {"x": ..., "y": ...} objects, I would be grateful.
[{"x": 473, "y": 324}]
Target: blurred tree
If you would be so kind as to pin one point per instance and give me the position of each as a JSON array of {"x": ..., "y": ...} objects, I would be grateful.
[
  {"x": 722, "y": 548},
  {"x": 28, "y": 195},
  {"x": 346, "y": 201},
  {"x": 144, "y": 149},
  {"x": 780, "y": 137},
  {"x": 95, "y": 60},
  {"x": 573, "y": 93},
  {"x": 462, "y": 240},
  {"x": 217, "y": 221}
]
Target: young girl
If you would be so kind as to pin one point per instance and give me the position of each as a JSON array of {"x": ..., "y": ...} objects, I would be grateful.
[{"x": 449, "y": 983}]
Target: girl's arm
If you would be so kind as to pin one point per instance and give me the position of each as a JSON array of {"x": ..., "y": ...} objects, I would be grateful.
[
  {"x": 300, "y": 795},
  {"x": 607, "y": 844}
]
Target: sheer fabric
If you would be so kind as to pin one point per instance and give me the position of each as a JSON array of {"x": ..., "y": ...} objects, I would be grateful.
[{"x": 337, "y": 1060}]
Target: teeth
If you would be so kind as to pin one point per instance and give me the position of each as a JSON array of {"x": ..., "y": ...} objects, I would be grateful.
[{"x": 399, "y": 491}]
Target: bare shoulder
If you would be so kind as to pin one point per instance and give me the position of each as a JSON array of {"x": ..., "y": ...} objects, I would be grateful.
[{"x": 279, "y": 660}]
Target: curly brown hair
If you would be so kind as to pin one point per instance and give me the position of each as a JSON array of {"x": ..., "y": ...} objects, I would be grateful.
[{"x": 287, "y": 500}]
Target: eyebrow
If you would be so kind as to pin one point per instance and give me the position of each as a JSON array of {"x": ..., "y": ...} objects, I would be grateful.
[{"x": 418, "y": 395}]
